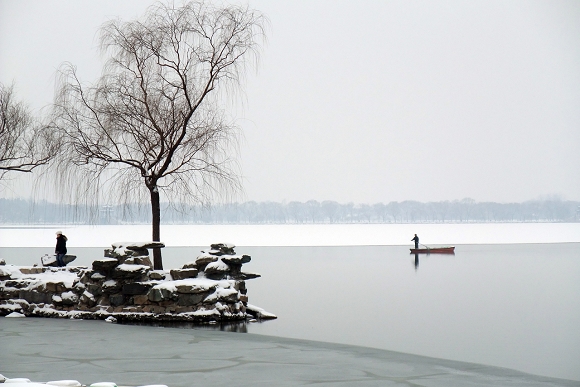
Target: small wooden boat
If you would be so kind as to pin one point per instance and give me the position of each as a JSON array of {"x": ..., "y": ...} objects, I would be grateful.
[{"x": 434, "y": 250}]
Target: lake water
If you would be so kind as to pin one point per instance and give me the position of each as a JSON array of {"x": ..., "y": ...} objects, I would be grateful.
[{"x": 509, "y": 305}]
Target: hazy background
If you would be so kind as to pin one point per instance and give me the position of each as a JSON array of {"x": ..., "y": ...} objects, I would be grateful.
[{"x": 369, "y": 101}]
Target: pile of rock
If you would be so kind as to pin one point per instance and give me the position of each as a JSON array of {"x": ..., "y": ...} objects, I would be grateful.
[{"x": 123, "y": 285}]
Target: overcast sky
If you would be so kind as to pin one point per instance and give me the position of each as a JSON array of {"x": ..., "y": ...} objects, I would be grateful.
[{"x": 370, "y": 101}]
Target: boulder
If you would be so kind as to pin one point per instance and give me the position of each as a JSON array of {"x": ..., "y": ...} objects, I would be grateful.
[
  {"x": 189, "y": 287},
  {"x": 35, "y": 297},
  {"x": 105, "y": 265},
  {"x": 88, "y": 298},
  {"x": 4, "y": 274},
  {"x": 179, "y": 274},
  {"x": 123, "y": 250},
  {"x": 222, "y": 295},
  {"x": 146, "y": 261},
  {"x": 2, "y": 262},
  {"x": 49, "y": 260},
  {"x": 136, "y": 288},
  {"x": 156, "y": 275},
  {"x": 111, "y": 286},
  {"x": 117, "y": 300},
  {"x": 204, "y": 259},
  {"x": 191, "y": 265},
  {"x": 130, "y": 272},
  {"x": 224, "y": 248},
  {"x": 69, "y": 298},
  {"x": 158, "y": 293},
  {"x": 236, "y": 259},
  {"x": 217, "y": 267},
  {"x": 190, "y": 299}
]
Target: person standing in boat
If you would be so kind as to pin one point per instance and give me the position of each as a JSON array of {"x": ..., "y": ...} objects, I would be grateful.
[{"x": 416, "y": 239}]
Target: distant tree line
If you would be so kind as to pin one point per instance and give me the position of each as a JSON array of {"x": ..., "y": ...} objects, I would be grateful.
[{"x": 19, "y": 211}]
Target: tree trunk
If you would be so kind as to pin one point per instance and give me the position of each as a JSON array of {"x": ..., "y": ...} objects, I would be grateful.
[{"x": 156, "y": 223}]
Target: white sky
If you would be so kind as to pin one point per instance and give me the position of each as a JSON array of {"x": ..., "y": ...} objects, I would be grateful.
[{"x": 370, "y": 101}]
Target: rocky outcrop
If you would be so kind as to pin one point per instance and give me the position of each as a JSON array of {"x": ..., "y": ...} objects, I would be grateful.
[{"x": 123, "y": 285}]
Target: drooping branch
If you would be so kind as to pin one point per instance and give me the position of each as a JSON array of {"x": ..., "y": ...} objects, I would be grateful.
[
  {"x": 154, "y": 116},
  {"x": 25, "y": 143}
]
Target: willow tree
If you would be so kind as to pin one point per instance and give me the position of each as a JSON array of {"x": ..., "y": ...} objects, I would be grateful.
[
  {"x": 153, "y": 123},
  {"x": 25, "y": 143}
]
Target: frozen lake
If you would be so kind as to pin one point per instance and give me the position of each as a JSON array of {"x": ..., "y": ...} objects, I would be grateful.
[{"x": 507, "y": 305}]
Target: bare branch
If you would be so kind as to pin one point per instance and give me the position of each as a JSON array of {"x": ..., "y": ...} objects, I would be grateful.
[
  {"x": 151, "y": 123},
  {"x": 25, "y": 143}
]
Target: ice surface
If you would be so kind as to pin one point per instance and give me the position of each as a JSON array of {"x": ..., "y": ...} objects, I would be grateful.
[{"x": 215, "y": 358}]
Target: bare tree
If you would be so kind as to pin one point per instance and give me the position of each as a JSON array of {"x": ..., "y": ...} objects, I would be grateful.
[
  {"x": 25, "y": 144},
  {"x": 152, "y": 122}
]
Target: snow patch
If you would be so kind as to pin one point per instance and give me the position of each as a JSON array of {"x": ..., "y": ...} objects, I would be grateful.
[{"x": 15, "y": 314}]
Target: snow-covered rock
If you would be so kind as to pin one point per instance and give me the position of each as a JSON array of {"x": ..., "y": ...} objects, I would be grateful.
[
  {"x": 209, "y": 288},
  {"x": 15, "y": 314}
]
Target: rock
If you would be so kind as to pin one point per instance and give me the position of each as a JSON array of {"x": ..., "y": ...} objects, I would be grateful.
[
  {"x": 69, "y": 298},
  {"x": 124, "y": 250},
  {"x": 190, "y": 299},
  {"x": 144, "y": 245},
  {"x": 146, "y": 261},
  {"x": 156, "y": 275},
  {"x": 111, "y": 319},
  {"x": 88, "y": 299},
  {"x": 111, "y": 286},
  {"x": 32, "y": 270},
  {"x": 141, "y": 299},
  {"x": 157, "y": 294},
  {"x": 105, "y": 265},
  {"x": 190, "y": 265},
  {"x": 130, "y": 272},
  {"x": 49, "y": 260},
  {"x": 15, "y": 314},
  {"x": 126, "y": 284},
  {"x": 204, "y": 259},
  {"x": 217, "y": 267},
  {"x": 68, "y": 259},
  {"x": 236, "y": 259},
  {"x": 55, "y": 287},
  {"x": 223, "y": 295},
  {"x": 247, "y": 276},
  {"x": 259, "y": 312},
  {"x": 187, "y": 287},
  {"x": 35, "y": 297},
  {"x": 4, "y": 274},
  {"x": 95, "y": 290},
  {"x": 224, "y": 248},
  {"x": 117, "y": 300},
  {"x": 136, "y": 288},
  {"x": 179, "y": 274},
  {"x": 97, "y": 276},
  {"x": 2, "y": 263}
]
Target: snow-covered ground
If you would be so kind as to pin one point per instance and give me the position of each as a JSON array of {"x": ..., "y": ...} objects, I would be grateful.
[{"x": 297, "y": 235}]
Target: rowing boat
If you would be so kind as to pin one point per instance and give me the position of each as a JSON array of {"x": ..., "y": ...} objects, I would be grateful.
[{"x": 434, "y": 250}]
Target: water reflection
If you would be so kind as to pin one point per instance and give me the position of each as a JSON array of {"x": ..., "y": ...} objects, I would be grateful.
[
  {"x": 233, "y": 326},
  {"x": 416, "y": 261}
]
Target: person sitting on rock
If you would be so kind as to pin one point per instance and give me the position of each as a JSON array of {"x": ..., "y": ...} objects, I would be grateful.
[{"x": 60, "y": 249}]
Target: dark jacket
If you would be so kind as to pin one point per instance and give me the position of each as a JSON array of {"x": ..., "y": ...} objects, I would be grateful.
[{"x": 60, "y": 244}]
